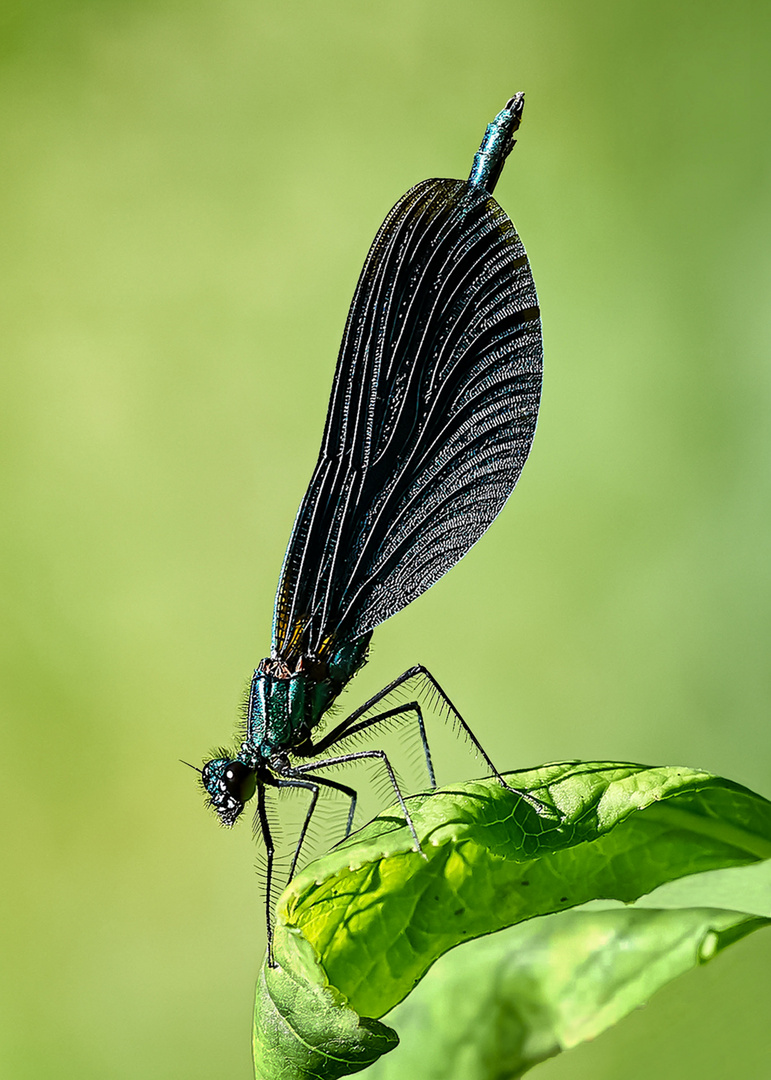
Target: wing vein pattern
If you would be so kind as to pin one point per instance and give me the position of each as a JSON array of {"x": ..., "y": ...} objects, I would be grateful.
[{"x": 431, "y": 417}]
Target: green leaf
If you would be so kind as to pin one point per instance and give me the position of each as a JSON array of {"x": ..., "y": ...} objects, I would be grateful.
[
  {"x": 358, "y": 928},
  {"x": 506, "y": 1002},
  {"x": 303, "y": 1027}
]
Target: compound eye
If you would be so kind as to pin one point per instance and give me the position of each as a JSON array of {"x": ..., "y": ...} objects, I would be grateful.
[{"x": 239, "y": 781}]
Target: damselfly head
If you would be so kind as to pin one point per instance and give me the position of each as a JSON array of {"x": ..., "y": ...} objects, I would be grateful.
[{"x": 230, "y": 784}]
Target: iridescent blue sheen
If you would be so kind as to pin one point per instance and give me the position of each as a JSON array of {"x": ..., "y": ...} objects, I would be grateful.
[
  {"x": 283, "y": 707},
  {"x": 496, "y": 145}
]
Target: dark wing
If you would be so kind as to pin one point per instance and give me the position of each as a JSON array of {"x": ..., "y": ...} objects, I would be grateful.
[{"x": 431, "y": 417}]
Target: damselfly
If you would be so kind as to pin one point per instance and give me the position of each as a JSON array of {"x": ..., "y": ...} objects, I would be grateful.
[{"x": 431, "y": 418}]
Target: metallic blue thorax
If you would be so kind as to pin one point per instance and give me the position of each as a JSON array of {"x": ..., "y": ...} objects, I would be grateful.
[{"x": 285, "y": 705}]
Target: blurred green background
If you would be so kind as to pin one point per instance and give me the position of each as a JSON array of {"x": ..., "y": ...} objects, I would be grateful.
[{"x": 188, "y": 193}]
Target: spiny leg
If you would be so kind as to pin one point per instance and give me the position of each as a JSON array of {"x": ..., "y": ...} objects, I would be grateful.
[
  {"x": 350, "y": 729},
  {"x": 312, "y": 783},
  {"x": 357, "y": 756},
  {"x": 314, "y": 790},
  {"x": 420, "y": 670},
  {"x": 343, "y": 729},
  {"x": 270, "y": 851},
  {"x": 349, "y": 726},
  {"x": 290, "y": 781}
]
